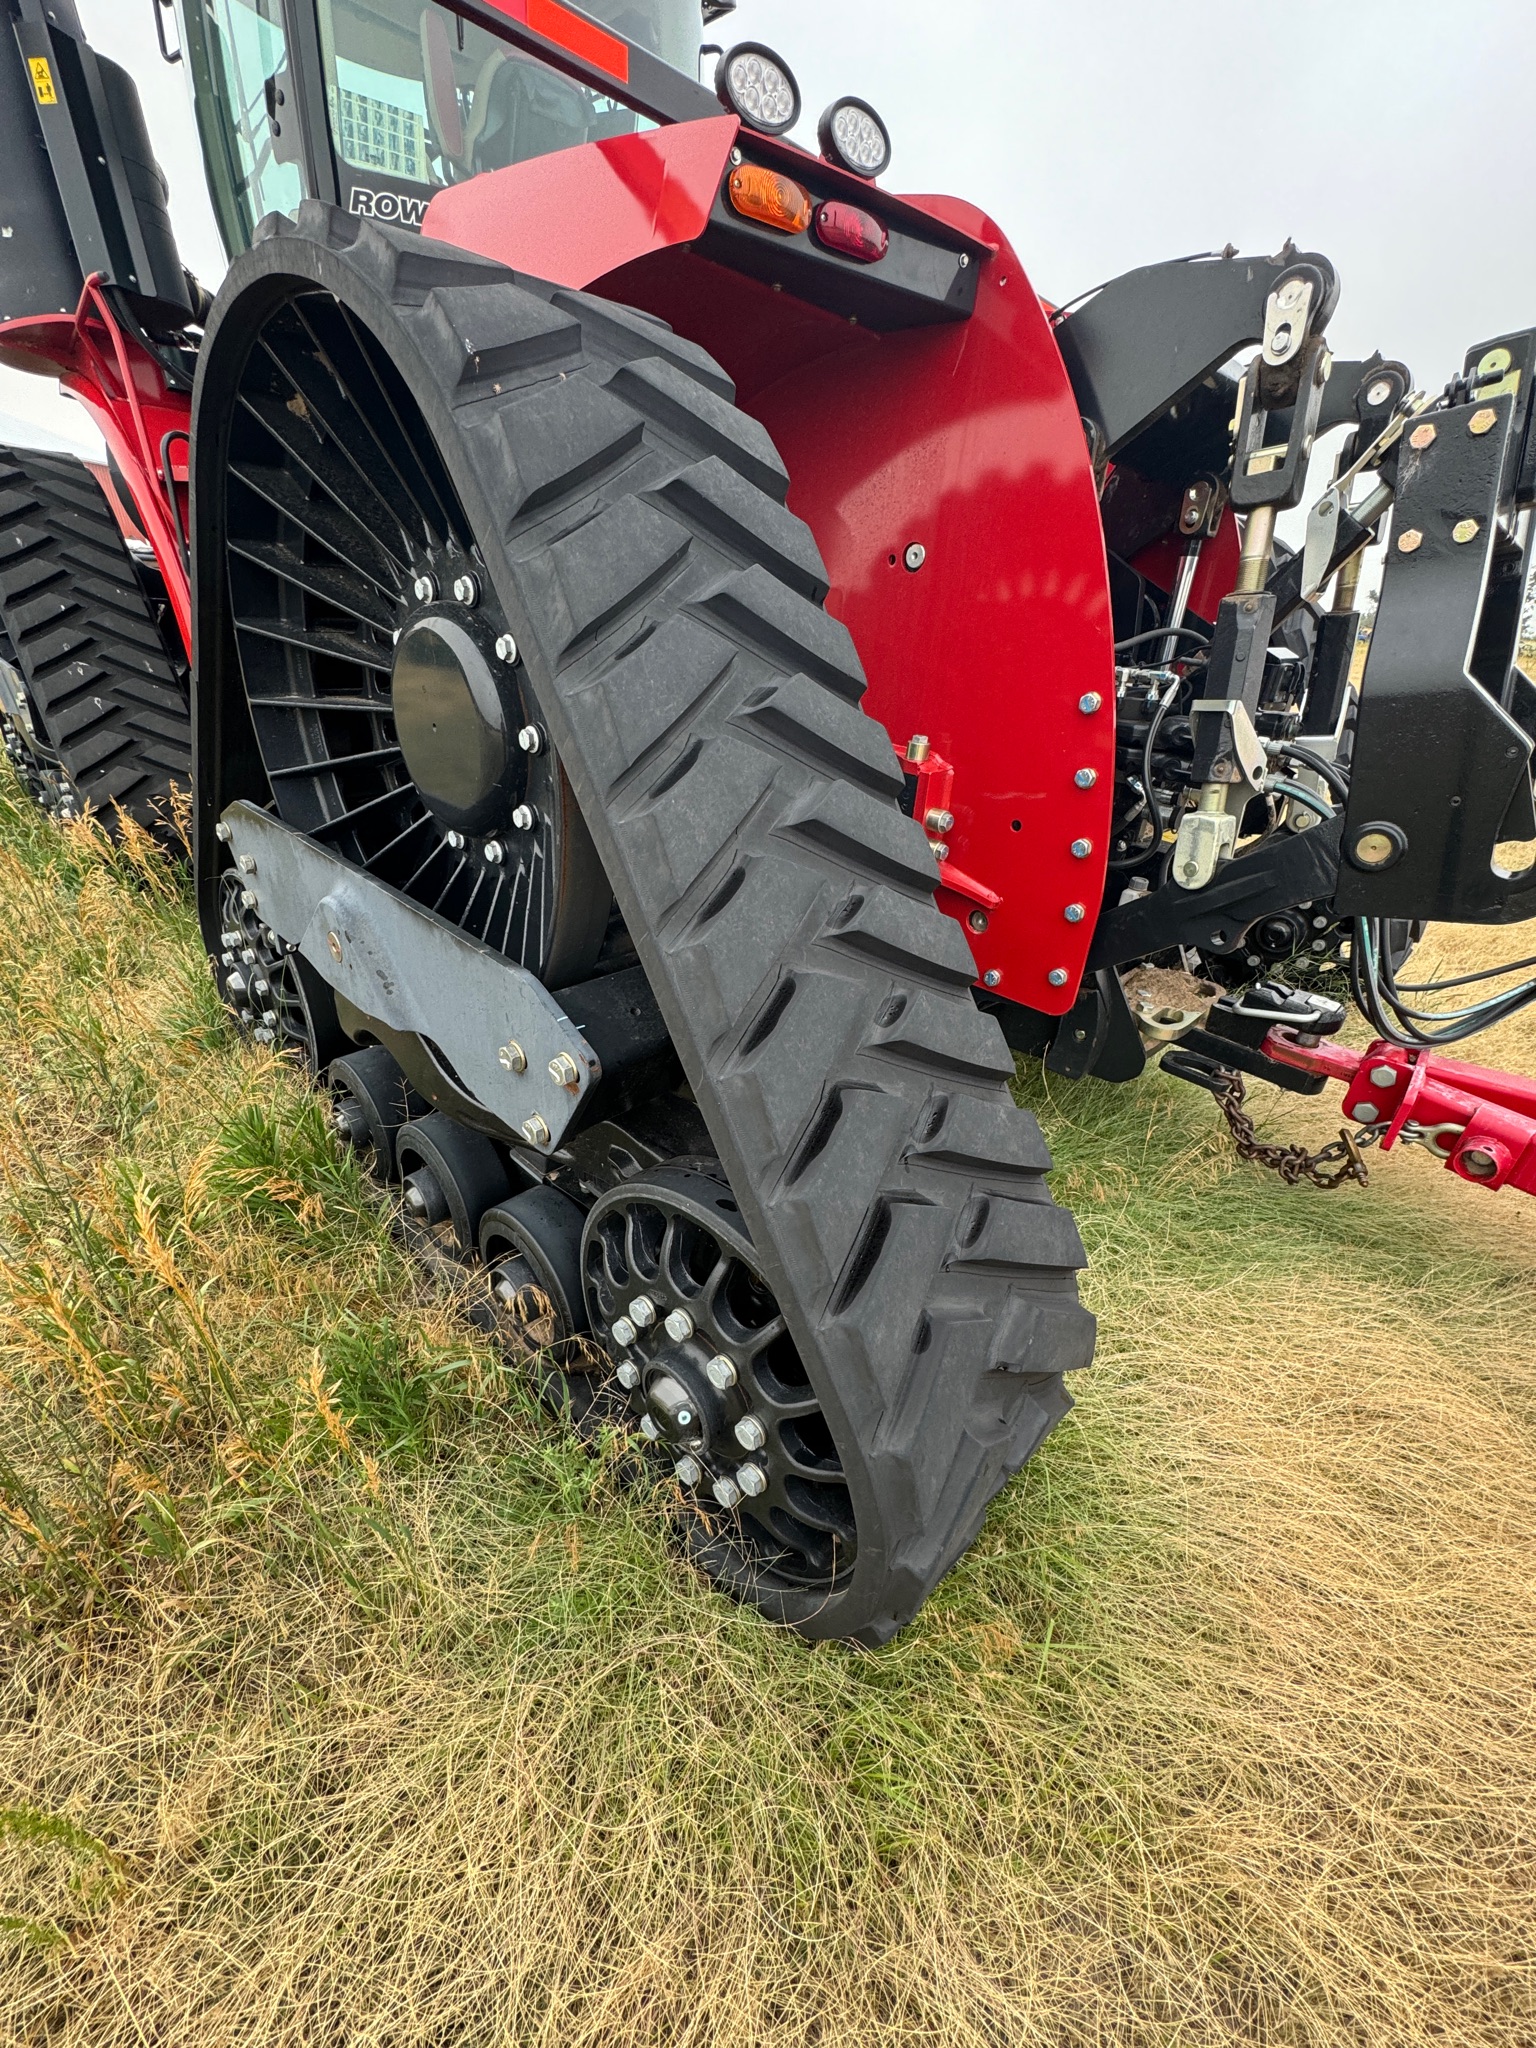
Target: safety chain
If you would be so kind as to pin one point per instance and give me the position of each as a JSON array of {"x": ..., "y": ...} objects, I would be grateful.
[{"x": 1329, "y": 1168}]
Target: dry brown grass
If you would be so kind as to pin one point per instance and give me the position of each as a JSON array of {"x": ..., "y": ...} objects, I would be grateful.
[{"x": 343, "y": 1703}]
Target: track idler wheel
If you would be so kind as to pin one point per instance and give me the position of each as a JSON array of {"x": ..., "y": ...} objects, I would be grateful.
[
  {"x": 713, "y": 1381},
  {"x": 372, "y": 1100},
  {"x": 450, "y": 1177}
]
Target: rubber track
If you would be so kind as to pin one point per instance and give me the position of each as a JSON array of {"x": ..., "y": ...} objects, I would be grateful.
[
  {"x": 707, "y": 709},
  {"x": 103, "y": 686}
]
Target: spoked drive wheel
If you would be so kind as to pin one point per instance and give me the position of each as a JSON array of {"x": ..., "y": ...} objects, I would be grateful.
[
  {"x": 276, "y": 998},
  {"x": 713, "y": 1380}
]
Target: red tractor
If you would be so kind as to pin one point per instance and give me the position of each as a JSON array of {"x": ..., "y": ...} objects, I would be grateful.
[{"x": 685, "y": 664}]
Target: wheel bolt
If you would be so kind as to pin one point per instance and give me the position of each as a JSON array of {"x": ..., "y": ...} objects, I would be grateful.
[
  {"x": 750, "y": 1433},
  {"x": 642, "y": 1312},
  {"x": 456, "y": 841},
  {"x": 525, "y": 817},
  {"x": 650, "y": 1427},
  {"x": 752, "y": 1479},
  {"x": 466, "y": 590},
  {"x": 495, "y": 852},
  {"x": 531, "y": 740},
  {"x": 679, "y": 1326},
  {"x": 688, "y": 1471},
  {"x": 506, "y": 648},
  {"x": 727, "y": 1492},
  {"x": 624, "y": 1334},
  {"x": 425, "y": 588},
  {"x": 720, "y": 1372},
  {"x": 629, "y": 1376}
]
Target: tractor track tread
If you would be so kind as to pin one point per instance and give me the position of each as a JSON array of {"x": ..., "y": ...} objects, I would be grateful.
[
  {"x": 706, "y": 709},
  {"x": 110, "y": 700}
]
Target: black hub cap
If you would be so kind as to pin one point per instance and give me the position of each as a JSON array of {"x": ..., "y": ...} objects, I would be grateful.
[
  {"x": 710, "y": 1376},
  {"x": 457, "y": 722}
]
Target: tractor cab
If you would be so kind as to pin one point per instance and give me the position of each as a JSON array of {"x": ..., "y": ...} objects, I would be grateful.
[{"x": 374, "y": 105}]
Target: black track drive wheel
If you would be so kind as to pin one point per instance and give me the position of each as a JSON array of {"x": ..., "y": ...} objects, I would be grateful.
[
  {"x": 106, "y": 694},
  {"x": 626, "y": 527}
]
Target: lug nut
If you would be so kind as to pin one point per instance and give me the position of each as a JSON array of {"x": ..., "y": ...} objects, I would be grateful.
[
  {"x": 513, "y": 1058},
  {"x": 466, "y": 590},
  {"x": 1085, "y": 778},
  {"x": 642, "y": 1312},
  {"x": 535, "y": 1130},
  {"x": 1383, "y": 1077},
  {"x": 628, "y": 1374},
  {"x": 750, "y": 1433},
  {"x": 727, "y": 1492},
  {"x": 624, "y": 1334},
  {"x": 752, "y": 1479},
  {"x": 720, "y": 1372},
  {"x": 531, "y": 740},
  {"x": 525, "y": 817},
  {"x": 425, "y": 588},
  {"x": 494, "y": 852},
  {"x": 688, "y": 1471},
  {"x": 650, "y": 1427},
  {"x": 679, "y": 1326},
  {"x": 563, "y": 1071},
  {"x": 236, "y": 986}
]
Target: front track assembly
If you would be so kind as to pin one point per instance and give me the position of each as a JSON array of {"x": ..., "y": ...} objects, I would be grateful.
[{"x": 796, "y": 1234}]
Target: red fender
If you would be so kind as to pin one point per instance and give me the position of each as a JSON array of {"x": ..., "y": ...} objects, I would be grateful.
[{"x": 962, "y": 439}]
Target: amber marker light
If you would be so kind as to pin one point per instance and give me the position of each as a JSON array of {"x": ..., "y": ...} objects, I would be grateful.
[
  {"x": 851, "y": 231},
  {"x": 770, "y": 198}
]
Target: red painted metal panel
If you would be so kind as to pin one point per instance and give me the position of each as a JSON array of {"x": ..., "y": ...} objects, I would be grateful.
[
  {"x": 141, "y": 418},
  {"x": 1215, "y": 574},
  {"x": 569, "y": 31},
  {"x": 574, "y": 216},
  {"x": 963, "y": 439}
]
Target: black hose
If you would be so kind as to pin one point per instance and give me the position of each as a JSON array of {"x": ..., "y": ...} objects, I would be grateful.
[
  {"x": 1164, "y": 633},
  {"x": 1330, "y": 771}
]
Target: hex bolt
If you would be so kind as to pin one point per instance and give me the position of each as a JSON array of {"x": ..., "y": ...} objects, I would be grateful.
[
  {"x": 1074, "y": 913},
  {"x": 687, "y": 1471},
  {"x": 248, "y": 899},
  {"x": 940, "y": 821},
  {"x": 917, "y": 748},
  {"x": 915, "y": 556},
  {"x": 506, "y": 649},
  {"x": 1089, "y": 702},
  {"x": 425, "y": 588},
  {"x": 1422, "y": 436},
  {"x": 940, "y": 850},
  {"x": 628, "y": 1375},
  {"x": 236, "y": 985},
  {"x": 1465, "y": 530},
  {"x": 513, "y": 1058},
  {"x": 494, "y": 852},
  {"x": 727, "y": 1492},
  {"x": 752, "y": 1480},
  {"x": 1057, "y": 977},
  {"x": 650, "y": 1427},
  {"x": 563, "y": 1071},
  {"x": 1081, "y": 848},
  {"x": 535, "y": 1130},
  {"x": 992, "y": 977},
  {"x": 1085, "y": 778},
  {"x": 720, "y": 1372},
  {"x": 456, "y": 841},
  {"x": 1383, "y": 1077},
  {"x": 624, "y": 1334},
  {"x": 1482, "y": 421},
  {"x": 525, "y": 817},
  {"x": 531, "y": 740},
  {"x": 246, "y": 863},
  {"x": 642, "y": 1312},
  {"x": 1410, "y": 542},
  {"x": 466, "y": 590},
  {"x": 750, "y": 1433},
  {"x": 223, "y": 832},
  {"x": 679, "y": 1326},
  {"x": 1366, "y": 1113}
]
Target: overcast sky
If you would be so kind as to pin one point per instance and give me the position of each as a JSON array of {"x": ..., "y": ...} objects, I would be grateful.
[{"x": 1397, "y": 136}]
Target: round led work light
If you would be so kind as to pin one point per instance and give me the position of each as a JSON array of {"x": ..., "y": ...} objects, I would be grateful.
[
  {"x": 852, "y": 134},
  {"x": 759, "y": 87}
]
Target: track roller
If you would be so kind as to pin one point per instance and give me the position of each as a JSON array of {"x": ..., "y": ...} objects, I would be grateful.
[
  {"x": 451, "y": 1176},
  {"x": 373, "y": 1099}
]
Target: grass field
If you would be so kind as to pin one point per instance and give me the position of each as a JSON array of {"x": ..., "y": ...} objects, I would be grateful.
[{"x": 343, "y": 1703}]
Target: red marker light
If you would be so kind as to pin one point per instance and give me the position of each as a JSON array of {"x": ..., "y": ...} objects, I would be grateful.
[{"x": 850, "y": 231}]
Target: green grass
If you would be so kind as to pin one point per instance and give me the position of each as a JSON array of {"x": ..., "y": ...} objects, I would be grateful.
[{"x": 343, "y": 1701}]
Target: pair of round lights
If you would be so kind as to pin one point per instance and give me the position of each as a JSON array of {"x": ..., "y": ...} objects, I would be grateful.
[{"x": 760, "y": 88}]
